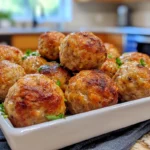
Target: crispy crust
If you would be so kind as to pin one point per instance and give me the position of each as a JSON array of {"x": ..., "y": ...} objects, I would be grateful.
[
  {"x": 89, "y": 90},
  {"x": 32, "y": 63},
  {"x": 133, "y": 81},
  {"x": 11, "y": 53},
  {"x": 49, "y": 43},
  {"x": 82, "y": 50},
  {"x": 32, "y": 98},
  {"x": 9, "y": 74}
]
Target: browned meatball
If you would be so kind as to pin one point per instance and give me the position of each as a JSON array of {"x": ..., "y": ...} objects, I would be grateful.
[
  {"x": 110, "y": 67},
  {"x": 133, "y": 81},
  {"x": 112, "y": 51},
  {"x": 9, "y": 74},
  {"x": 136, "y": 56},
  {"x": 81, "y": 51},
  {"x": 32, "y": 99},
  {"x": 54, "y": 71},
  {"x": 32, "y": 63},
  {"x": 89, "y": 90},
  {"x": 11, "y": 53},
  {"x": 49, "y": 43}
]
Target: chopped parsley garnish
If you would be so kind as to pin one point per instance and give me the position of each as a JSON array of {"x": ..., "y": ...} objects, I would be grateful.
[
  {"x": 30, "y": 53},
  {"x": 3, "y": 112},
  {"x": 55, "y": 117},
  {"x": 142, "y": 62},
  {"x": 109, "y": 56},
  {"x": 65, "y": 100},
  {"x": 118, "y": 61},
  {"x": 39, "y": 69},
  {"x": 58, "y": 83}
]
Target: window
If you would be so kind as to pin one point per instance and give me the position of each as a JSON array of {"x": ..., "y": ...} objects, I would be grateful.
[{"x": 40, "y": 10}]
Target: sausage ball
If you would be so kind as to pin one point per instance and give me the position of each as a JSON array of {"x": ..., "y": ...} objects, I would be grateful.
[
  {"x": 110, "y": 67},
  {"x": 136, "y": 56},
  {"x": 9, "y": 74},
  {"x": 11, "y": 53},
  {"x": 49, "y": 43},
  {"x": 32, "y": 63},
  {"x": 54, "y": 71},
  {"x": 89, "y": 90},
  {"x": 112, "y": 51},
  {"x": 32, "y": 98},
  {"x": 133, "y": 81},
  {"x": 81, "y": 51}
]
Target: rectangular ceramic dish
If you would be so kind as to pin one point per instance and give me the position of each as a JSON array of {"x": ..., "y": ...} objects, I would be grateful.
[{"x": 60, "y": 133}]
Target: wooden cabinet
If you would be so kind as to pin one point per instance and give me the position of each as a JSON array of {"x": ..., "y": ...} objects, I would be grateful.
[{"x": 30, "y": 41}]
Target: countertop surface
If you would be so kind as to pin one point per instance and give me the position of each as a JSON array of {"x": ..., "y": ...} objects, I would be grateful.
[{"x": 114, "y": 30}]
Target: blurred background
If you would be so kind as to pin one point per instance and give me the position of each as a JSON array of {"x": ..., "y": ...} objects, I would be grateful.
[{"x": 125, "y": 23}]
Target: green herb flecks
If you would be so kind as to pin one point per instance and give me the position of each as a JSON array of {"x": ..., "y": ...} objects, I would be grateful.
[
  {"x": 58, "y": 83},
  {"x": 65, "y": 100},
  {"x": 39, "y": 69},
  {"x": 30, "y": 53},
  {"x": 2, "y": 110},
  {"x": 55, "y": 117},
  {"x": 142, "y": 62},
  {"x": 109, "y": 56},
  {"x": 118, "y": 61}
]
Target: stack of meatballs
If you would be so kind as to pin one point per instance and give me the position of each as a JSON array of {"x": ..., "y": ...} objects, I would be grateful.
[{"x": 68, "y": 75}]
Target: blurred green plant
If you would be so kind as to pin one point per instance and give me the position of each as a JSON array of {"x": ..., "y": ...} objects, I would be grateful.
[{"x": 6, "y": 16}]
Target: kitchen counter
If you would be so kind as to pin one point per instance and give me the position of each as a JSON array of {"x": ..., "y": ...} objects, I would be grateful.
[{"x": 113, "y": 30}]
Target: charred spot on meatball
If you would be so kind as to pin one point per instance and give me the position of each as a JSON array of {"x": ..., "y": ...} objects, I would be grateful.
[
  {"x": 33, "y": 99},
  {"x": 81, "y": 51},
  {"x": 89, "y": 90},
  {"x": 57, "y": 73}
]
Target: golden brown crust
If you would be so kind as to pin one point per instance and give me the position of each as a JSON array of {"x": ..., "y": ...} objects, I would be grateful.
[
  {"x": 58, "y": 74},
  {"x": 133, "y": 81},
  {"x": 89, "y": 90},
  {"x": 9, "y": 74},
  {"x": 49, "y": 43},
  {"x": 135, "y": 56},
  {"x": 32, "y": 98},
  {"x": 112, "y": 51},
  {"x": 110, "y": 67},
  {"x": 82, "y": 50},
  {"x": 11, "y": 54},
  {"x": 32, "y": 63}
]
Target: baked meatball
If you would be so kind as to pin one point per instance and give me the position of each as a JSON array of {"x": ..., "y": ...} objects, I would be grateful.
[
  {"x": 136, "y": 56},
  {"x": 112, "y": 51},
  {"x": 9, "y": 74},
  {"x": 81, "y": 51},
  {"x": 133, "y": 81},
  {"x": 89, "y": 90},
  {"x": 49, "y": 43},
  {"x": 32, "y": 99},
  {"x": 58, "y": 74},
  {"x": 32, "y": 63},
  {"x": 110, "y": 67},
  {"x": 11, "y": 53}
]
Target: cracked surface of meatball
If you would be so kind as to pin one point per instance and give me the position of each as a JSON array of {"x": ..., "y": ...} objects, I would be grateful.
[
  {"x": 11, "y": 54},
  {"x": 32, "y": 63},
  {"x": 135, "y": 56},
  {"x": 82, "y": 51},
  {"x": 9, "y": 74},
  {"x": 112, "y": 51},
  {"x": 110, "y": 67},
  {"x": 89, "y": 90},
  {"x": 49, "y": 43},
  {"x": 133, "y": 81},
  {"x": 32, "y": 98},
  {"x": 58, "y": 74}
]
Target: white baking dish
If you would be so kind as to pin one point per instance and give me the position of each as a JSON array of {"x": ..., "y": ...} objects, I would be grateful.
[{"x": 60, "y": 133}]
